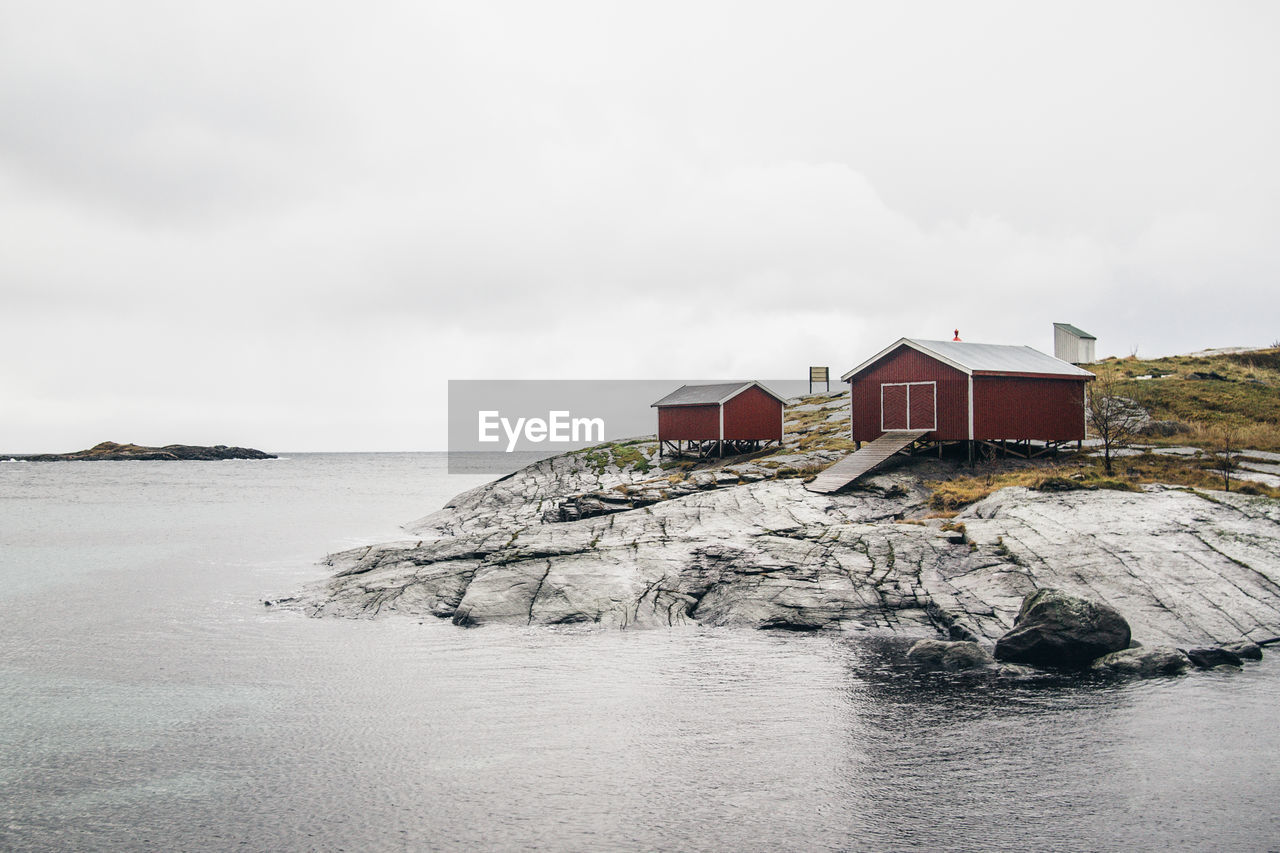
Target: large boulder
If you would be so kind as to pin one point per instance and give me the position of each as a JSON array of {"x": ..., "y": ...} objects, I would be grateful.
[
  {"x": 1156, "y": 660},
  {"x": 1055, "y": 628}
]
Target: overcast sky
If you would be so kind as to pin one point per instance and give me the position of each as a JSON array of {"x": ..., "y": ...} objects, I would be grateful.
[{"x": 286, "y": 225}]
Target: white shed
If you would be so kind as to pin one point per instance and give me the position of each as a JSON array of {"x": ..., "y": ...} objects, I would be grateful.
[{"x": 1072, "y": 344}]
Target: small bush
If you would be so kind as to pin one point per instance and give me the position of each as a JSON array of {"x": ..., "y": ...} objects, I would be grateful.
[
  {"x": 1115, "y": 485},
  {"x": 1055, "y": 483}
]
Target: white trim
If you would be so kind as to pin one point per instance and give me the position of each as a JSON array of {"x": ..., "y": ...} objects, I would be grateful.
[
  {"x": 743, "y": 386},
  {"x": 931, "y": 428},
  {"x": 752, "y": 384},
  {"x": 915, "y": 346},
  {"x": 677, "y": 391},
  {"x": 722, "y": 422},
  {"x": 1043, "y": 365},
  {"x": 971, "y": 407}
]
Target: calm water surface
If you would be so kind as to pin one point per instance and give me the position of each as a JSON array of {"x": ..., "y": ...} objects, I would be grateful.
[{"x": 148, "y": 700}]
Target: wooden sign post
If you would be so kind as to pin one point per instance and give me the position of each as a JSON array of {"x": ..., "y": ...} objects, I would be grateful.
[{"x": 819, "y": 374}]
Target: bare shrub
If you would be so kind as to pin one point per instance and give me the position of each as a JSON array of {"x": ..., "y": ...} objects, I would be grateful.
[{"x": 1113, "y": 418}]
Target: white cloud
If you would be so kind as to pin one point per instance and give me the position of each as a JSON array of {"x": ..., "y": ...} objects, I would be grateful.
[{"x": 287, "y": 224}]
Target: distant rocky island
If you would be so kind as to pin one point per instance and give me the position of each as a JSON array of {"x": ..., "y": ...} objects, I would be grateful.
[{"x": 110, "y": 451}]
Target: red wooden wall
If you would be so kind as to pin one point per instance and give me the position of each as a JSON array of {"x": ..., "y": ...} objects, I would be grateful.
[
  {"x": 908, "y": 365},
  {"x": 753, "y": 416},
  {"x": 1015, "y": 407},
  {"x": 688, "y": 423}
]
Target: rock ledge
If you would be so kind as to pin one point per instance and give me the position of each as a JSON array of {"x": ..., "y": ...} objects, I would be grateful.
[{"x": 1186, "y": 569}]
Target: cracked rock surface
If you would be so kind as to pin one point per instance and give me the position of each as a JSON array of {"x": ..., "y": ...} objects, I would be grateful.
[{"x": 1183, "y": 568}]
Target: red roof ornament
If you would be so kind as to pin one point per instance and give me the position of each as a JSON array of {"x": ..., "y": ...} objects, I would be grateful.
[{"x": 957, "y": 337}]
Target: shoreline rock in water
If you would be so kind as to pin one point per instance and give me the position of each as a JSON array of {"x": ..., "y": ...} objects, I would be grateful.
[
  {"x": 1185, "y": 569},
  {"x": 109, "y": 451},
  {"x": 1056, "y": 629}
]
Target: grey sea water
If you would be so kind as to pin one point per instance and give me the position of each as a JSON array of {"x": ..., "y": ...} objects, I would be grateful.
[{"x": 149, "y": 701}]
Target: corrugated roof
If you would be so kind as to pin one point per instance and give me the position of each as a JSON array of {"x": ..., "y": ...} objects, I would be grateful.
[
  {"x": 982, "y": 358},
  {"x": 710, "y": 395},
  {"x": 1075, "y": 330}
]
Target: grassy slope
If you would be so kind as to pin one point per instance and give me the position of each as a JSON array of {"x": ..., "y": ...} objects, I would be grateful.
[{"x": 1246, "y": 399}]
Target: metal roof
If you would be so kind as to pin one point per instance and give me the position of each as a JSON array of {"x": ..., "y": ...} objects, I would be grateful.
[
  {"x": 1075, "y": 330},
  {"x": 982, "y": 358},
  {"x": 711, "y": 395}
]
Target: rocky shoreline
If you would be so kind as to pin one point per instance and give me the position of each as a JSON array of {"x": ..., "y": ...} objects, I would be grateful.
[
  {"x": 569, "y": 540},
  {"x": 109, "y": 451}
]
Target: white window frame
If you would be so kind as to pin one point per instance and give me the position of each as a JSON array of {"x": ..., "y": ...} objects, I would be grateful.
[{"x": 933, "y": 390}]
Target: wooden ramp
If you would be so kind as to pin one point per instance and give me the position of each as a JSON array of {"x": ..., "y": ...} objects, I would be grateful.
[{"x": 859, "y": 462}]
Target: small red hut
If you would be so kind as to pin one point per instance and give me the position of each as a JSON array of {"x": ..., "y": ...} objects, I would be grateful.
[
  {"x": 734, "y": 416},
  {"x": 967, "y": 392}
]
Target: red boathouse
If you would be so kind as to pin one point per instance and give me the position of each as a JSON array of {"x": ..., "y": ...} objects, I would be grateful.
[
  {"x": 967, "y": 392},
  {"x": 736, "y": 416}
]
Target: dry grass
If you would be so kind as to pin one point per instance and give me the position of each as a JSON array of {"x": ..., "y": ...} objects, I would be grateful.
[
  {"x": 951, "y": 495},
  {"x": 807, "y": 472},
  {"x": 1131, "y": 472},
  {"x": 1256, "y": 436}
]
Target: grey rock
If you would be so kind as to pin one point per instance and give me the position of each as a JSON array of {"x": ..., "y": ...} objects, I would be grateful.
[
  {"x": 949, "y": 655},
  {"x": 1016, "y": 671},
  {"x": 1184, "y": 569},
  {"x": 1163, "y": 428},
  {"x": 1124, "y": 407},
  {"x": 1144, "y": 661},
  {"x": 1056, "y": 628},
  {"x": 1208, "y": 658},
  {"x": 1245, "y": 649},
  {"x": 1261, "y": 467}
]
